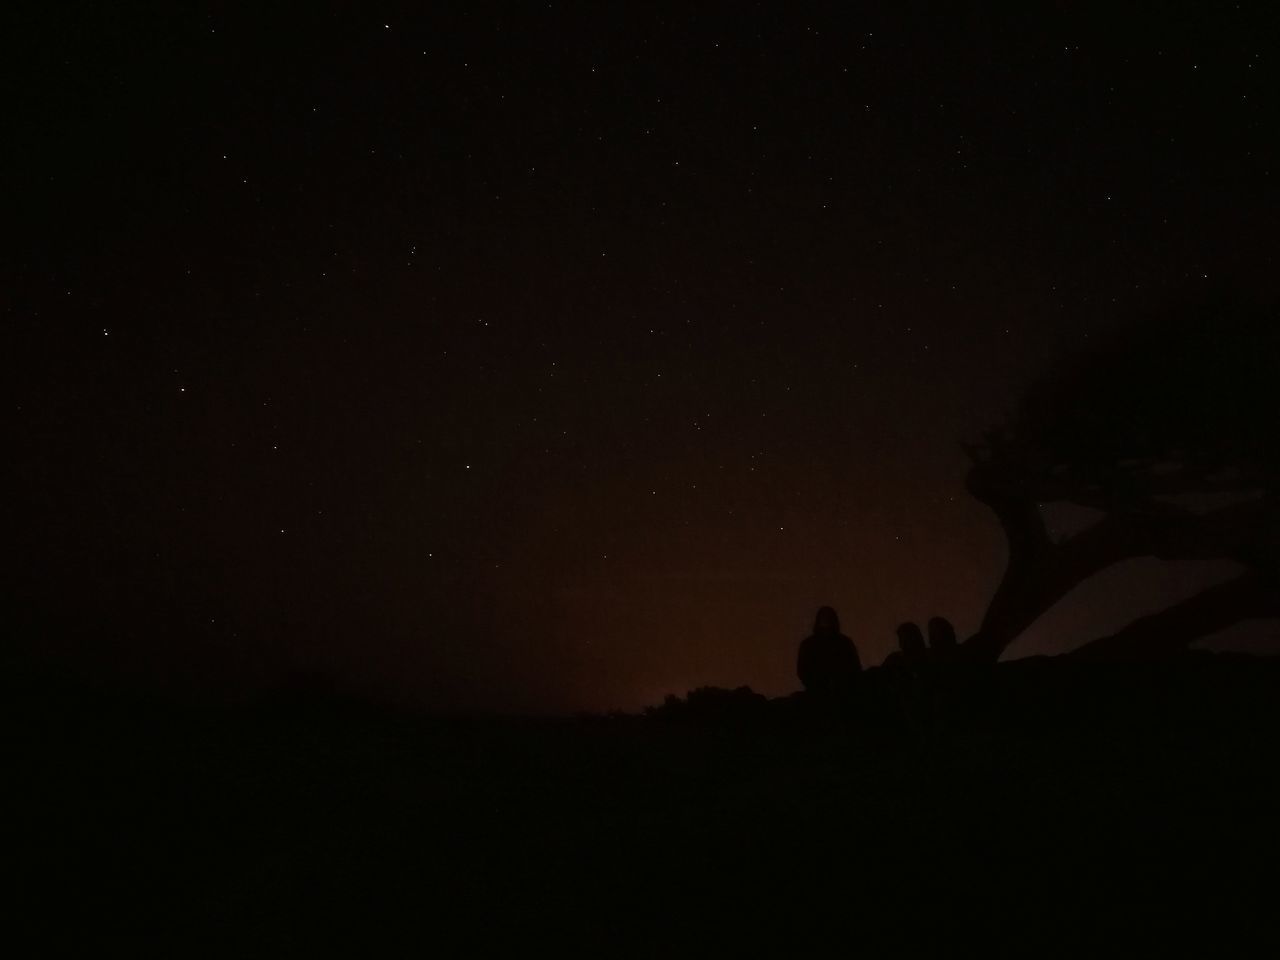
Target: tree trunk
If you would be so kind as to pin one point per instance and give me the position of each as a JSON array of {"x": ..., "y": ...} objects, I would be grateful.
[{"x": 1040, "y": 572}]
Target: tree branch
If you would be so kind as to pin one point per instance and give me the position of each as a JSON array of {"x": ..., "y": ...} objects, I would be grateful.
[
  {"x": 1040, "y": 572},
  {"x": 1250, "y": 596}
]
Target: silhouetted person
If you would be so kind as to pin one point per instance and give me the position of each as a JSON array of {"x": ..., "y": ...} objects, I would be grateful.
[
  {"x": 911, "y": 649},
  {"x": 911, "y": 641},
  {"x": 943, "y": 648},
  {"x": 828, "y": 663}
]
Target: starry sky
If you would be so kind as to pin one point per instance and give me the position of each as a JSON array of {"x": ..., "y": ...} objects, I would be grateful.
[{"x": 560, "y": 356}]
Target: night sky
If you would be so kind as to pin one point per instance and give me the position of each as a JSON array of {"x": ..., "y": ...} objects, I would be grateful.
[{"x": 555, "y": 357}]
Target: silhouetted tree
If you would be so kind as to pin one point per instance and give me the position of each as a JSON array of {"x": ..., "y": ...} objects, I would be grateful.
[{"x": 1171, "y": 432}]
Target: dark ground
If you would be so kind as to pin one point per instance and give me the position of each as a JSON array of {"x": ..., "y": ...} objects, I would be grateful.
[{"x": 1025, "y": 808}]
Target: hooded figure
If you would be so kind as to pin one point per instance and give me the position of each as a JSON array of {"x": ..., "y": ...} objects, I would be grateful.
[{"x": 828, "y": 663}]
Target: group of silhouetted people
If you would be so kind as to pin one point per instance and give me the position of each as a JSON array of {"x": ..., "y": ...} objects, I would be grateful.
[{"x": 828, "y": 663}]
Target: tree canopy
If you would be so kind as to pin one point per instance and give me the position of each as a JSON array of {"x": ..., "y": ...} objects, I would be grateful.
[{"x": 1171, "y": 429}]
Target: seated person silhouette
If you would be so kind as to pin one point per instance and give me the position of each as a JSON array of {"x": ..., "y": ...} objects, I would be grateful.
[
  {"x": 942, "y": 641},
  {"x": 911, "y": 651},
  {"x": 828, "y": 663}
]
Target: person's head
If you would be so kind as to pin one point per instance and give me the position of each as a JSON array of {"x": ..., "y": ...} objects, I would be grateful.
[
  {"x": 942, "y": 635},
  {"x": 910, "y": 639},
  {"x": 826, "y": 623}
]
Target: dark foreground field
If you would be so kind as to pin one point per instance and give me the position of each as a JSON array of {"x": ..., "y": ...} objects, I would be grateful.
[{"x": 1024, "y": 809}]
